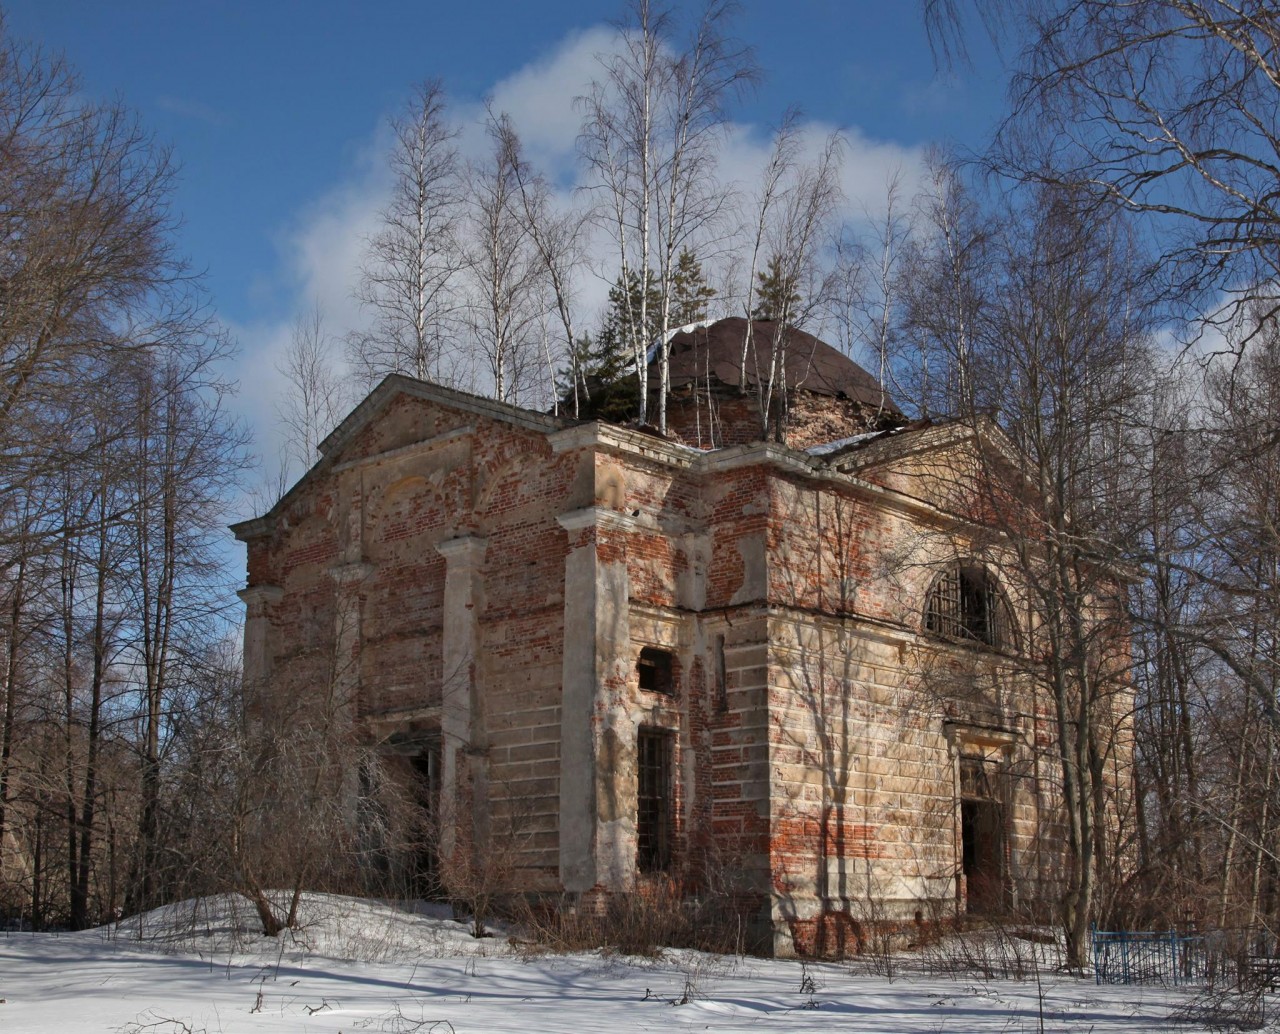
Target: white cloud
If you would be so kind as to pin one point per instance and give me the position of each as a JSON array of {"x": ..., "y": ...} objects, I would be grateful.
[
  {"x": 867, "y": 165},
  {"x": 320, "y": 252},
  {"x": 325, "y": 246},
  {"x": 320, "y": 246},
  {"x": 540, "y": 99}
]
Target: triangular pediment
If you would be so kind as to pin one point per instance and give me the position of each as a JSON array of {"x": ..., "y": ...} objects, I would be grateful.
[
  {"x": 401, "y": 413},
  {"x": 941, "y": 464}
]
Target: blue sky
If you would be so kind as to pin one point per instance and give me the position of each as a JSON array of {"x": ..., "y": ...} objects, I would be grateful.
[{"x": 276, "y": 112}]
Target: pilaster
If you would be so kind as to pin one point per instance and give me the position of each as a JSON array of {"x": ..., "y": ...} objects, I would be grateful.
[
  {"x": 597, "y": 747},
  {"x": 464, "y": 741},
  {"x": 348, "y": 579},
  {"x": 258, "y": 601}
]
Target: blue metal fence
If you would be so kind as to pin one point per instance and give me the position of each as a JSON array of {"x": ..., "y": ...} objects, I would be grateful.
[{"x": 1150, "y": 957}]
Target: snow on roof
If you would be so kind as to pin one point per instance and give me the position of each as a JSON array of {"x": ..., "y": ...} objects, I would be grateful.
[
  {"x": 827, "y": 448},
  {"x": 663, "y": 339}
]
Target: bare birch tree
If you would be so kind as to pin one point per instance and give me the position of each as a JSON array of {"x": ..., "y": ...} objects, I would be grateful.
[
  {"x": 502, "y": 266},
  {"x": 317, "y": 396},
  {"x": 185, "y": 456},
  {"x": 948, "y": 262},
  {"x": 783, "y": 158},
  {"x": 618, "y": 142},
  {"x": 87, "y": 236},
  {"x": 868, "y": 282},
  {"x": 710, "y": 73},
  {"x": 1215, "y": 577},
  {"x": 1057, "y": 348},
  {"x": 1173, "y": 834},
  {"x": 1166, "y": 108},
  {"x": 795, "y": 225},
  {"x": 649, "y": 140},
  {"x": 557, "y": 237},
  {"x": 411, "y": 261},
  {"x": 1064, "y": 361}
]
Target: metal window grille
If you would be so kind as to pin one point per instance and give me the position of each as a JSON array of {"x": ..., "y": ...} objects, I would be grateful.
[
  {"x": 963, "y": 604},
  {"x": 943, "y": 614},
  {"x": 653, "y": 804}
]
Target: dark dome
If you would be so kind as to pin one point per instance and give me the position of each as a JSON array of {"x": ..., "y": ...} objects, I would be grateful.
[{"x": 809, "y": 364}]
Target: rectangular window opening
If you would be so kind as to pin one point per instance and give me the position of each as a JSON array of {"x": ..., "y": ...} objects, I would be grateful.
[
  {"x": 654, "y": 812},
  {"x": 655, "y": 669},
  {"x": 722, "y": 678},
  {"x": 426, "y": 864}
]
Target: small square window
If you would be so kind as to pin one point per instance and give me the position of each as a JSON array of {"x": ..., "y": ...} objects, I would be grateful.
[{"x": 656, "y": 669}]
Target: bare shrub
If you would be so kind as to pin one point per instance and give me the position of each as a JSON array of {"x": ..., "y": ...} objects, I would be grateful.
[
  {"x": 150, "y": 1022},
  {"x": 1226, "y": 1009},
  {"x": 659, "y": 914},
  {"x": 1007, "y": 946}
]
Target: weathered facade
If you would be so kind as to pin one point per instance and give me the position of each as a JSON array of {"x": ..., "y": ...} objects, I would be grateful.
[{"x": 628, "y": 658}]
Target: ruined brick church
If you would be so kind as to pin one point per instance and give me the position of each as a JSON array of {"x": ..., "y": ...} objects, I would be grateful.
[{"x": 629, "y": 657}]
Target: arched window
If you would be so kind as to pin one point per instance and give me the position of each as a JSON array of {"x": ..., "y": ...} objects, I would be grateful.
[{"x": 966, "y": 603}]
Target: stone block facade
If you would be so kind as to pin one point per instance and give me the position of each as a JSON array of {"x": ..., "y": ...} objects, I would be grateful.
[{"x": 635, "y": 659}]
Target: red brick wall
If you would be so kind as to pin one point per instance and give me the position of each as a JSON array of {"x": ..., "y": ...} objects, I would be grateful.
[{"x": 811, "y": 759}]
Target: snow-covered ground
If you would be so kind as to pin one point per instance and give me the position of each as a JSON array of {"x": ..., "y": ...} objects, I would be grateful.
[{"x": 357, "y": 966}]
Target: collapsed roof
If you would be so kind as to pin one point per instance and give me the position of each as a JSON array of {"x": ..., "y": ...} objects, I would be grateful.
[{"x": 716, "y": 349}]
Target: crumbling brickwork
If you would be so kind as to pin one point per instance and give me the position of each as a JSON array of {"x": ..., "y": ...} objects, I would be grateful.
[{"x": 480, "y": 581}]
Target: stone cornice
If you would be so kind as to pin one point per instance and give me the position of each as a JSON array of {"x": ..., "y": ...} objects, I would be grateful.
[
  {"x": 600, "y": 435},
  {"x": 564, "y": 436},
  {"x": 738, "y": 456},
  {"x": 891, "y": 633},
  {"x": 772, "y": 454},
  {"x": 598, "y": 517},
  {"x": 398, "y": 384},
  {"x": 899, "y": 446},
  {"x": 813, "y": 468},
  {"x": 252, "y": 594},
  {"x": 253, "y": 528},
  {"x": 464, "y": 548},
  {"x": 675, "y": 617},
  {"x": 959, "y": 732},
  {"x": 367, "y": 411}
]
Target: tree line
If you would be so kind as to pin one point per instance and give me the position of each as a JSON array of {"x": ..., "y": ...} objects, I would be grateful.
[
  {"x": 476, "y": 274},
  {"x": 118, "y": 462},
  {"x": 1101, "y": 283}
]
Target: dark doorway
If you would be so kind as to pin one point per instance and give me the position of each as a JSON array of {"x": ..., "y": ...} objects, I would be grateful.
[
  {"x": 982, "y": 838},
  {"x": 982, "y": 833}
]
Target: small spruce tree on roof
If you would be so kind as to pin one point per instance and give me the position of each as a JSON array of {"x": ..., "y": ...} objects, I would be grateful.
[
  {"x": 690, "y": 293},
  {"x": 778, "y": 294}
]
